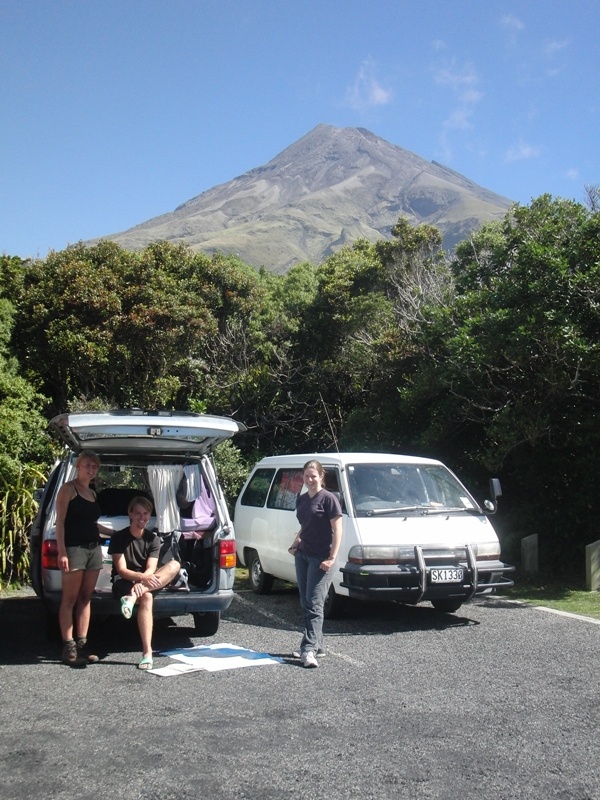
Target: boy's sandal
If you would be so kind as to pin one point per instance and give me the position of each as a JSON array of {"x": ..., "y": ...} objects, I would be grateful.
[
  {"x": 127, "y": 607},
  {"x": 146, "y": 663}
]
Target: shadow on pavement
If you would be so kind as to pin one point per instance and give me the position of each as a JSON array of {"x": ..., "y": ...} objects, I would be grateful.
[
  {"x": 24, "y": 633},
  {"x": 24, "y": 630},
  {"x": 281, "y": 609}
]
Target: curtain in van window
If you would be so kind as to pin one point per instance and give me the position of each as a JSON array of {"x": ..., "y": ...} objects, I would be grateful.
[
  {"x": 164, "y": 480},
  {"x": 193, "y": 482}
]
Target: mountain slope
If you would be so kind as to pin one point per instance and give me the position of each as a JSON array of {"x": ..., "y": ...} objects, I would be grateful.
[{"x": 325, "y": 190}]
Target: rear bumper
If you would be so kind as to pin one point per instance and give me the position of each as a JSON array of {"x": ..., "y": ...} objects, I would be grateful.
[
  {"x": 412, "y": 582},
  {"x": 166, "y": 604}
]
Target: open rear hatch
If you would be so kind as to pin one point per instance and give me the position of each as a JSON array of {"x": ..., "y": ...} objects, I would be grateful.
[{"x": 168, "y": 433}]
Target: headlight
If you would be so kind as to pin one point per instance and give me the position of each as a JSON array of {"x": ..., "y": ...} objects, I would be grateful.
[
  {"x": 380, "y": 554},
  {"x": 488, "y": 551}
]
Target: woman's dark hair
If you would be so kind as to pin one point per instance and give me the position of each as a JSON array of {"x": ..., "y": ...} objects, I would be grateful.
[{"x": 316, "y": 465}]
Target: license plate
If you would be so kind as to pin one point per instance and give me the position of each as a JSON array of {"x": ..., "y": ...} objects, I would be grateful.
[{"x": 446, "y": 575}]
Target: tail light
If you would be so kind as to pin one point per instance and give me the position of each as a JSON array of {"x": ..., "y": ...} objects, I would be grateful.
[
  {"x": 227, "y": 555},
  {"x": 50, "y": 554}
]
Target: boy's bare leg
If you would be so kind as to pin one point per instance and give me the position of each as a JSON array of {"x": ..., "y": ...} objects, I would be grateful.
[
  {"x": 145, "y": 622},
  {"x": 165, "y": 574},
  {"x": 168, "y": 572}
]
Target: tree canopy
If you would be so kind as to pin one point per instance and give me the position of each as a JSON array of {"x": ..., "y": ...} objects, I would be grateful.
[
  {"x": 22, "y": 424},
  {"x": 488, "y": 359}
]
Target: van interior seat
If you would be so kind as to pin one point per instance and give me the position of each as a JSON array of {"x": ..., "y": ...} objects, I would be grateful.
[{"x": 114, "y": 502}]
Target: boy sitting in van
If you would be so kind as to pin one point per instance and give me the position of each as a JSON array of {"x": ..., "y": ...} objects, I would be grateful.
[{"x": 136, "y": 576}]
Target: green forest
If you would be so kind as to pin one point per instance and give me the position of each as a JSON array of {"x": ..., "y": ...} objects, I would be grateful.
[{"x": 487, "y": 358}]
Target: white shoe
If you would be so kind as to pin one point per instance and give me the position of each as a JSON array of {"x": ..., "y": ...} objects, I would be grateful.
[
  {"x": 181, "y": 583},
  {"x": 309, "y": 660},
  {"x": 320, "y": 653}
]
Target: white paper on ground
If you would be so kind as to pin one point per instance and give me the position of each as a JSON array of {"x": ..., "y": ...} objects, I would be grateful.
[{"x": 213, "y": 658}]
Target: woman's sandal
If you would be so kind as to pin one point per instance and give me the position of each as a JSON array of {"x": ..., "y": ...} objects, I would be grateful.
[
  {"x": 127, "y": 605},
  {"x": 146, "y": 663}
]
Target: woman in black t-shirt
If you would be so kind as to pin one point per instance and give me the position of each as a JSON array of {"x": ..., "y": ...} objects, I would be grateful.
[{"x": 315, "y": 549}]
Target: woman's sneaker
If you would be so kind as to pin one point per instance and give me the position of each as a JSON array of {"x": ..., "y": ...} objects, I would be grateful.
[
  {"x": 309, "y": 660},
  {"x": 320, "y": 653}
]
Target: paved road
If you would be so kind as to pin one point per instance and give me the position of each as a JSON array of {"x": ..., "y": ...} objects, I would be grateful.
[{"x": 497, "y": 701}]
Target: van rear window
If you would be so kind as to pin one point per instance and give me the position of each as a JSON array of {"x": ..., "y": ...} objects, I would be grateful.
[{"x": 257, "y": 490}]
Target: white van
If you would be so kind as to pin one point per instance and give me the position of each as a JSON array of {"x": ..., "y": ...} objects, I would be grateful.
[
  {"x": 157, "y": 455},
  {"x": 411, "y": 531}
]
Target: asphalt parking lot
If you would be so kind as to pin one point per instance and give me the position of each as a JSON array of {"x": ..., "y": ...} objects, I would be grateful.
[{"x": 498, "y": 700}]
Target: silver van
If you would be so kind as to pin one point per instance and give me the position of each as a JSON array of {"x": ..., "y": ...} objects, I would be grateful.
[
  {"x": 411, "y": 530},
  {"x": 167, "y": 457}
]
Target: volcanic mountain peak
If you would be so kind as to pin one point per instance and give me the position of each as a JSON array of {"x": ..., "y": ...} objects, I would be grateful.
[{"x": 327, "y": 189}]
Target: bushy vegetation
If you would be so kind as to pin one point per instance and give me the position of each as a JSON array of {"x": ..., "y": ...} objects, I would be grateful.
[
  {"x": 489, "y": 359},
  {"x": 17, "y": 511}
]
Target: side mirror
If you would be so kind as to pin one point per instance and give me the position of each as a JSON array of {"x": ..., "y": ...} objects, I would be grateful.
[{"x": 491, "y": 506}]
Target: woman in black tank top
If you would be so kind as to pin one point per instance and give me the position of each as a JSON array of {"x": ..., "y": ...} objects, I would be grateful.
[{"x": 79, "y": 557}]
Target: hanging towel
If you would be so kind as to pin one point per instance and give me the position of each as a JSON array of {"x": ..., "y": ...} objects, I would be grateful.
[{"x": 164, "y": 480}]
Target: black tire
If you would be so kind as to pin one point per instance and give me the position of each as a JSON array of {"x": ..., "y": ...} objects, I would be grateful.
[
  {"x": 207, "y": 623},
  {"x": 35, "y": 569},
  {"x": 260, "y": 581},
  {"x": 334, "y": 605},
  {"x": 446, "y": 605},
  {"x": 51, "y": 626}
]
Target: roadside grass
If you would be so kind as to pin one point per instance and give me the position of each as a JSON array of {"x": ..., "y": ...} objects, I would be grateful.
[
  {"x": 549, "y": 592},
  {"x": 242, "y": 579}
]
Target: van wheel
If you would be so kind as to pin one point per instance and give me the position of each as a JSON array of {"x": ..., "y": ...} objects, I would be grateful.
[
  {"x": 334, "y": 605},
  {"x": 51, "y": 626},
  {"x": 260, "y": 580},
  {"x": 446, "y": 605},
  {"x": 36, "y": 570},
  {"x": 207, "y": 623}
]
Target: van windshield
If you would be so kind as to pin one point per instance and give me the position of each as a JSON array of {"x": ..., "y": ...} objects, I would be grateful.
[{"x": 387, "y": 489}]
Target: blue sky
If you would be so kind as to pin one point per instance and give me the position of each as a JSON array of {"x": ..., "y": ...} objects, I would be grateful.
[{"x": 116, "y": 111}]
